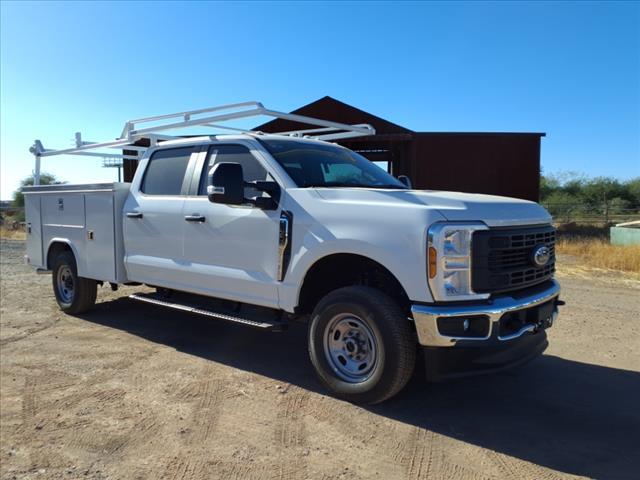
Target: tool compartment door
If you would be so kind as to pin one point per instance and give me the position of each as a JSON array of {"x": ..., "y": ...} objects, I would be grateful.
[
  {"x": 100, "y": 237},
  {"x": 34, "y": 230}
]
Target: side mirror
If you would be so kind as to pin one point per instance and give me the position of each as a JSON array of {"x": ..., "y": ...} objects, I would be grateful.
[
  {"x": 272, "y": 189},
  {"x": 405, "y": 180},
  {"x": 225, "y": 184}
]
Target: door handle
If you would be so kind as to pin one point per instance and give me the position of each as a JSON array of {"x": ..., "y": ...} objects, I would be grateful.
[
  {"x": 195, "y": 218},
  {"x": 134, "y": 214}
]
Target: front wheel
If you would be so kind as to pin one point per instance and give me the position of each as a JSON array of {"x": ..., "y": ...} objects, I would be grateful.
[
  {"x": 74, "y": 294},
  {"x": 361, "y": 345}
]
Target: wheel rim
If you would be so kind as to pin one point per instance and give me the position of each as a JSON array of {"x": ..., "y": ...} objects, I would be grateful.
[
  {"x": 65, "y": 284},
  {"x": 350, "y": 348}
]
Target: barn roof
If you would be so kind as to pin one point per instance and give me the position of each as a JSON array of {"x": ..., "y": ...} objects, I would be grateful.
[{"x": 328, "y": 108}]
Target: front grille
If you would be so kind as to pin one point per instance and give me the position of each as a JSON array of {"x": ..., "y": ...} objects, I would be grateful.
[{"x": 502, "y": 259}]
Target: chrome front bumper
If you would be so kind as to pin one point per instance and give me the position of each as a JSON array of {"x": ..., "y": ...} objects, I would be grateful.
[{"x": 426, "y": 317}]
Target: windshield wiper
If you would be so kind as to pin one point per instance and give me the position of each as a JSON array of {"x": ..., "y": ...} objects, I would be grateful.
[
  {"x": 391, "y": 187},
  {"x": 352, "y": 185}
]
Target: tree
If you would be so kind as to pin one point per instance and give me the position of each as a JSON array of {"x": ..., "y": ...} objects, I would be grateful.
[
  {"x": 548, "y": 185},
  {"x": 632, "y": 188},
  {"x": 618, "y": 205},
  {"x": 561, "y": 205},
  {"x": 601, "y": 190}
]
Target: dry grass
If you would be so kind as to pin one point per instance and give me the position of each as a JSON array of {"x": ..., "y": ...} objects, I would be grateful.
[
  {"x": 11, "y": 234},
  {"x": 599, "y": 253}
]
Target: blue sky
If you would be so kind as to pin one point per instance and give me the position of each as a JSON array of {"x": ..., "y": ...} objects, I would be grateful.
[{"x": 571, "y": 70}]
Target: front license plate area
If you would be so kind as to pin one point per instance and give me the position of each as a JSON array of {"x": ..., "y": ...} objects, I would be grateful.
[{"x": 542, "y": 316}]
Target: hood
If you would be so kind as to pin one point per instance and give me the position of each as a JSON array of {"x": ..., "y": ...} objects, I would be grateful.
[{"x": 454, "y": 206}]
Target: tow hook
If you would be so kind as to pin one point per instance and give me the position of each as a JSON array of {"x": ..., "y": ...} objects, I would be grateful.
[{"x": 550, "y": 320}]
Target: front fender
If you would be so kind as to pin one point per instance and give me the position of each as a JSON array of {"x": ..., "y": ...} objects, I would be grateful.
[{"x": 397, "y": 257}]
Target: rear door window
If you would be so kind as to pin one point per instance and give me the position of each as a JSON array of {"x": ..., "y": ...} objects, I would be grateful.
[{"x": 166, "y": 171}]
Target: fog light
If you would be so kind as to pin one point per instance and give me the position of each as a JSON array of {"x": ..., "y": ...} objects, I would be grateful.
[{"x": 476, "y": 326}]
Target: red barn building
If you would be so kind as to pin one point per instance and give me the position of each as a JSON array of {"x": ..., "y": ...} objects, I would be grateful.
[{"x": 495, "y": 163}]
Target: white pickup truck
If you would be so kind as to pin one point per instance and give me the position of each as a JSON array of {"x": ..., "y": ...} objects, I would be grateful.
[{"x": 264, "y": 229}]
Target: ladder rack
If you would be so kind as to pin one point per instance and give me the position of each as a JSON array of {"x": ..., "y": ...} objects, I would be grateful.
[{"x": 151, "y": 127}]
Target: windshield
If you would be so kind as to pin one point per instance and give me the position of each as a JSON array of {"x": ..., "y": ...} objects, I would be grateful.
[{"x": 325, "y": 165}]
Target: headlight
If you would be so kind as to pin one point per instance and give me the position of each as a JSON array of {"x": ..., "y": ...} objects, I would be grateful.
[{"x": 449, "y": 261}]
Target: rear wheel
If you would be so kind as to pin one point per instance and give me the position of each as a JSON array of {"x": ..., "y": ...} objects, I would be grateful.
[
  {"x": 74, "y": 294},
  {"x": 361, "y": 345}
]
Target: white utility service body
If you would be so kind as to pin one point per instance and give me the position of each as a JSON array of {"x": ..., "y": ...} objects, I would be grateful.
[
  {"x": 305, "y": 249},
  {"x": 87, "y": 218}
]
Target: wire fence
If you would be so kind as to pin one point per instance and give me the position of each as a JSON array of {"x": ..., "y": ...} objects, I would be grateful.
[
  {"x": 590, "y": 214},
  {"x": 579, "y": 213}
]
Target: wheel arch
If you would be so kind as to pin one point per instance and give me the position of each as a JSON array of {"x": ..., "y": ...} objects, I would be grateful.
[
  {"x": 57, "y": 246},
  {"x": 338, "y": 270}
]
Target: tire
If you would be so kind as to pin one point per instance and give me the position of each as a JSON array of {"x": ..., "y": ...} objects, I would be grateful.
[
  {"x": 74, "y": 294},
  {"x": 352, "y": 322}
]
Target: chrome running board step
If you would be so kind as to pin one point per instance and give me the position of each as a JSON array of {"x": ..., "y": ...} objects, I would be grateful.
[{"x": 186, "y": 304}]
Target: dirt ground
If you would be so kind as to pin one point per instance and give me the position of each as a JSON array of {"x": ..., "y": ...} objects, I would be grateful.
[{"x": 131, "y": 391}]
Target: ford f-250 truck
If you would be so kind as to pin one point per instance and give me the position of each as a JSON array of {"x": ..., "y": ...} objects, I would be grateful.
[{"x": 263, "y": 229}]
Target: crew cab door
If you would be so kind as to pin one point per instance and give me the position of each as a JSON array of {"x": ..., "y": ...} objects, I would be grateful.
[
  {"x": 153, "y": 220},
  {"x": 231, "y": 251}
]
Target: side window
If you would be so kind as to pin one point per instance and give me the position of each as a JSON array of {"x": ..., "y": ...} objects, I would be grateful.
[
  {"x": 251, "y": 168},
  {"x": 165, "y": 171}
]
